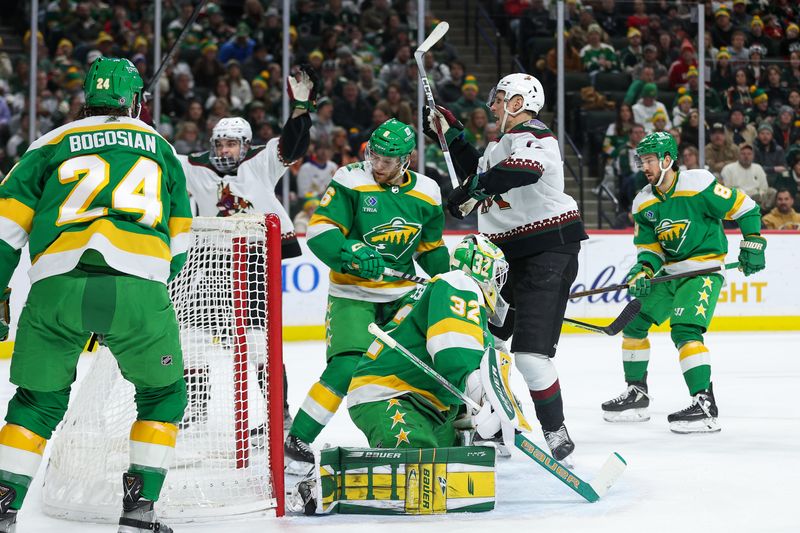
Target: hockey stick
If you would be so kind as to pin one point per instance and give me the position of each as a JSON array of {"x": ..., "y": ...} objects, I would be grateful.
[
  {"x": 608, "y": 474},
  {"x": 149, "y": 88},
  {"x": 628, "y": 313},
  {"x": 433, "y": 38},
  {"x": 662, "y": 279}
]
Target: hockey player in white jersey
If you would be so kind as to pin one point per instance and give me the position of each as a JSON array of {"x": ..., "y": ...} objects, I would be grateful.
[
  {"x": 518, "y": 184},
  {"x": 236, "y": 177}
]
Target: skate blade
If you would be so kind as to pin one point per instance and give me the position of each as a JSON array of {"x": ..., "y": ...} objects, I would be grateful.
[
  {"x": 696, "y": 426},
  {"x": 568, "y": 461},
  {"x": 627, "y": 416}
]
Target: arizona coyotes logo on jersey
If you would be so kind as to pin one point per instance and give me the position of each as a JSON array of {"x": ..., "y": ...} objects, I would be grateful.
[
  {"x": 230, "y": 204},
  {"x": 394, "y": 238},
  {"x": 672, "y": 233}
]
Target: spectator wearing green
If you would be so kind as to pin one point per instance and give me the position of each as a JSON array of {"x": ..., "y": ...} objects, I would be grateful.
[
  {"x": 713, "y": 100},
  {"x": 598, "y": 56},
  {"x": 469, "y": 100}
]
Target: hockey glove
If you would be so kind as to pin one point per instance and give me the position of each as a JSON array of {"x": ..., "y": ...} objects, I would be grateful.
[
  {"x": 451, "y": 126},
  {"x": 751, "y": 254},
  {"x": 469, "y": 190},
  {"x": 362, "y": 260},
  {"x": 302, "y": 88},
  {"x": 639, "y": 280},
  {"x": 5, "y": 313}
]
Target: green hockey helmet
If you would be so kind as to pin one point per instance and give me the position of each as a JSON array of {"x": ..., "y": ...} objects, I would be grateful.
[
  {"x": 392, "y": 139},
  {"x": 659, "y": 143},
  {"x": 113, "y": 82},
  {"x": 484, "y": 262}
]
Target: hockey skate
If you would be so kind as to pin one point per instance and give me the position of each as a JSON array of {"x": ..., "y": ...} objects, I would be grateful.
[
  {"x": 630, "y": 406},
  {"x": 8, "y": 516},
  {"x": 700, "y": 417},
  {"x": 303, "y": 497},
  {"x": 560, "y": 444},
  {"x": 138, "y": 515},
  {"x": 298, "y": 455}
]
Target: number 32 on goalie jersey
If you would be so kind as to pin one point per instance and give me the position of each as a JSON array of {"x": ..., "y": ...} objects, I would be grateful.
[
  {"x": 471, "y": 309},
  {"x": 139, "y": 191}
]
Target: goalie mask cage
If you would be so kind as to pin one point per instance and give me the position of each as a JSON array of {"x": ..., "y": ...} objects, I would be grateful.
[{"x": 228, "y": 302}]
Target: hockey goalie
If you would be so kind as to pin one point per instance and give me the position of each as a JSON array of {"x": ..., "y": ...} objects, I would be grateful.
[{"x": 421, "y": 461}]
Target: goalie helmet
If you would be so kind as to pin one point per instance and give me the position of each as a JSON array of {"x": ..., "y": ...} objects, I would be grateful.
[
  {"x": 524, "y": 85},
  {"x": 237, "y": 129},
  {"x": 484, "y": 262}
]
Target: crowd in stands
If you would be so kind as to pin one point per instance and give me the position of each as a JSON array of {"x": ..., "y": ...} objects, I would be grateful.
[
  {"x": 636, "y": 63},
  {"x": 640, "y": 57},
  {"x": 230, "y": 64}
]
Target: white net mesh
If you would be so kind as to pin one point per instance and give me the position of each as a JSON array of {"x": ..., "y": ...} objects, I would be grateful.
[{"x": 222, "y": 458}]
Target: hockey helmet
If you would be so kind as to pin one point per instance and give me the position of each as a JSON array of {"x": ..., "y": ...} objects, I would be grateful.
[
  {"x": 237, "y": 129},
  {"x": 113, "y": 82},
  {"x": 484, "y": 262},
  {"x": 524, "y": 85},
  {"x": 392, "y": 139},
  {"x": 660, "y": 143}
]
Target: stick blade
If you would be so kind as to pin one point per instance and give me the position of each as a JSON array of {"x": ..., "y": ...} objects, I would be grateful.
[
  {"x": 433, "y": 37},
  {"x": 609, "y": 473},
  {"x": 624, "y": 318}
]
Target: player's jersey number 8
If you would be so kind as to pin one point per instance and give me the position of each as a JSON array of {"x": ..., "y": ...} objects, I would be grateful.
[{"x": 139, "y": 191}]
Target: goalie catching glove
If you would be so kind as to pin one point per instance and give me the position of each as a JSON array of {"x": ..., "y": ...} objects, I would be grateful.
[
  {"x": 751, "y": 254},
  {"x": 362, "y": 260},
  {"x": 447, "y": 121},
  {"x": 303, "y": 87},
  {"x": 5, "y": 313}
]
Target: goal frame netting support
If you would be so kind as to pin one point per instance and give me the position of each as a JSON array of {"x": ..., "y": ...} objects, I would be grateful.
[{"x": 243, "y": 273}]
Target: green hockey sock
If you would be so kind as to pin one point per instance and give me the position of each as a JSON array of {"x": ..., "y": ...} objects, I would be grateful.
[
  {"x": 152, "y": 480},
  {"x": 324, "y": 398},
  {"x": 696, "y": 366},
  {"x": 635, "y": 357}
]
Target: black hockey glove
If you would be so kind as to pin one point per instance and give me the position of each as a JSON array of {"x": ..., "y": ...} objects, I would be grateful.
[
  {"x": 470, "y": 189},
  {"x": 451, "y": 126}
]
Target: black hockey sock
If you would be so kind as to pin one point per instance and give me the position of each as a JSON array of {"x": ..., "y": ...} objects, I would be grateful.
[{"x": 549, "y": 407}]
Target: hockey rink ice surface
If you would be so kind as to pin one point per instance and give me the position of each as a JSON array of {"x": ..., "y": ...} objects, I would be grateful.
[{"x": 744, "y": 479}]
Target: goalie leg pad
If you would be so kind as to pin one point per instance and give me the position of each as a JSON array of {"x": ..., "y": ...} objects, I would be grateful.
[{"x": 406, "y": 481}]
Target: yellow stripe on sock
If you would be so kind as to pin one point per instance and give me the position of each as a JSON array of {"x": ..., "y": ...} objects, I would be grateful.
[
  {"x": 15, "y": 436},
  {"x": 325, "y": 397},
  {"x": 635, "y": 344},
  {"x": 691, "y": 348},
  {"x": 151, "y": 432}
]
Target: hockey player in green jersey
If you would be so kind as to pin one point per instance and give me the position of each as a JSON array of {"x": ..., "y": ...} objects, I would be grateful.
[
  {"x": 102, "y": 204},
  {"x": 678, "y": 228},
  {"x": 394, "y": 402},
  {"x": 373, "y": 215}
]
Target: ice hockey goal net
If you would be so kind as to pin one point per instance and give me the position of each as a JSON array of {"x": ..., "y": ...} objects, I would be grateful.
[{"x": 229, "y": 453}]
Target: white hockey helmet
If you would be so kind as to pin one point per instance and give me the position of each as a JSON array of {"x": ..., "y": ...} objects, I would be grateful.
[
  {"x": 524, "y": 85},
  {"x": 235, "y": 128}
]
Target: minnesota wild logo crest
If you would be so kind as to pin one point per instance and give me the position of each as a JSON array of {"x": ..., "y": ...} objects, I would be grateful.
[
  {"x": 672, "y": 233},
  {"x": 394, "y": 238}
]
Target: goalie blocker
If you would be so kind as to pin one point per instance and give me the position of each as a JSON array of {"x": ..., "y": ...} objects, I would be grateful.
[{"x": 409, "y": 481}]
